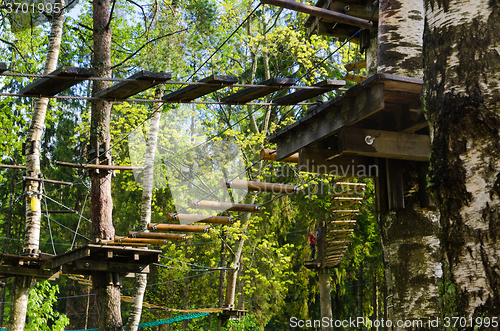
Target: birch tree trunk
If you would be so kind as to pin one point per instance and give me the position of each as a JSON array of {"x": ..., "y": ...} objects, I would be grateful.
[
  {"x": 461, "y": 94},
  {"x": 107, "y": 293},
  {"x": 409, "y": 235},
  {"x": 147, "y": 197},
  {"x": 22, "y": 284}
]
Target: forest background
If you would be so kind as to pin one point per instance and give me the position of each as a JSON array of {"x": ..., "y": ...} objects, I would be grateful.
[{"x": 179, "y": 37}]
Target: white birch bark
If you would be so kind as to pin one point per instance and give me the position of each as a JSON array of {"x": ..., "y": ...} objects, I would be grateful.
[{"x": 22, "y": 284}]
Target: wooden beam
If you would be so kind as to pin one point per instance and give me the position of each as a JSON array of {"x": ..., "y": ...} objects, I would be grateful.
[
  {"x": 340, "y": 31},
  {"x": 113, "y": 243},
  {"x": 362, "y": 11},
  {"x": 259, "y": 186},
  {"x": 141, "y": 240},
  {"x": 384, "y": 144},
  {"x": 143, "y": 80},
  {"x": 3, "y": 67},
  {"x": 346, "y": 211},
  {"x": 97, "y": 166},
  {"x": 49, "y": 181},
  {"x": 192, "y": 92},
  {"x": 66, "y": 77},
  {"x": 270, "y": 155},
  {"x": 315, "y": 161},
  {"x": 355, "y": 65},
  {"x": 341, "y": 194},
  {"x": 321, "y": 12},
  {"x": 13, "y": 271},
  {"x": 8, "y": 166},
  {"x": 354, "y": 78},
  {"x": 178, "y": 227},
  {"x": 251, "y": 93},
  {"x": 395, "y": 186},
  {"x": 217, "y": 205},
  {"x": 347, "y": 199},
  {"x": 338, "y": 218},
  {"x": 343, "y": 222},
  {"x": 346, "y": 205},
  {"x": 301, "y": 95},
  {"x": 156, "y": 235},
  {"x": 352, "y": 107},
  {"x": 190, "y": 218}
]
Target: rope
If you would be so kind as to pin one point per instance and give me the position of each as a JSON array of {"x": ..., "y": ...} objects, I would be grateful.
[{"x": 79, "y": 219}]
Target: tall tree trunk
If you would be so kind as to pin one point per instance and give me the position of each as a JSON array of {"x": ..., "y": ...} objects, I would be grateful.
[
  {"x": 461, "y": 95},
  {"x": 147, "y": 198},
  {"x": 107, "y": 293},
  {"x": 410, "y": 234},
  {"x": 22, "y": 284},
  {"x": 325, "y": 298}
]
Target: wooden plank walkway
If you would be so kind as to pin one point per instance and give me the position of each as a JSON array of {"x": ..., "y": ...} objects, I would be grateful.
[
  {"x": 251, "y": 93},
  {"x": 66, "y": 77},
  {"x": 192, "y": 92},
  {"x": 301, "y": 95},
  {"x": 3, "y": 67},
  {"x": 143, "y": 80}
]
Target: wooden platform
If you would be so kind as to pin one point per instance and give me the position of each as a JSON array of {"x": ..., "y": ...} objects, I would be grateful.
[
  {"x": 232, "y": 313},
  {"x": 3, "y": 67},
  {"x": 91, "y": 257},
  {"x": 252, "y": 93},
  {"x": 192, "y": 92},
  {"x": 301, "y": 95},
  {"x": 67, "y": 77},
  {"x": 143, "y": 80},
  {"x": 24, "y": 265}
]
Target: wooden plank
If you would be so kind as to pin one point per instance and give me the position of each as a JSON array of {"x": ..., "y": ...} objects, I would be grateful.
[
  {"x": 71, "y": 256},
  {"x": 387, "y": 144},
  {"x": 349, "y": 222},
  {"x": 340, "y": 31},
  {"x": 395, "y": 188},
  {"x": 178, "y": 227},
  {"x": 190, "y": 218},
  {"x": 354, "y": 78},
  {"x": 313, "y": 21},
  {"x": 353, "y": 211},
  {"x": 347, "y": 199},
  {"x": 270, "y": 155},
  {"x": 301, "y": 95},
  {"x": 358, "y": 10},
  {"x": 259, "y": 186},
  {"x": 192, "y": 92},
  {"x": 141, "y": 240},
  {"x": 49, "y": 181},
  {"x": 315, "y": 161},
  {"x": 92, "y": 265},
  {"x": 329, "y": 118},
  {"x": 321, "y": 12},
  {"x": 143, "y": 80},
  {"x": 3, "y": 67},
  {"x": 382, "y": 204},
  {"x": 8, "y": 166},
  {"x": 224, "y": 206},
  {"x": 355, "y": 65},
  {"x": 251, "y": 93},
  {"x": 12, "y": 271},
  {"x": 97, "y": 166},
  {"x": 156, "y": 235},
  {"x": 54, "y": 85}
]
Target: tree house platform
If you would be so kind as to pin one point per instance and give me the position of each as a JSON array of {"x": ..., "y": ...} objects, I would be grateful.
[
  {"x": 251, "y": 93},
  {"x": 228, "y": 313},
  {"x": 38, "y": 266},
  {"x": 191, "y": 92},
  {"x": 65, "y": 78},
  {"x": 143, "y": 80},
  {"x": 3, "y": 67},
  {"x": 120, "y": 259},
  {"x": 302, "y": 95}
]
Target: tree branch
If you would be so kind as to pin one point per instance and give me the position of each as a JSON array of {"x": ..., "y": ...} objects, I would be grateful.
[
  {"x": 111, "y": 15},
  {"x": 15, "y": 47},
  {"x": 148, "y": 42}
]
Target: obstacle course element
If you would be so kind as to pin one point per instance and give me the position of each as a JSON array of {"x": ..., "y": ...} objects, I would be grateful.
[
  {"x": 200, "y": 218},
  {"x": 178, "y": 227},
  {"x": 143, "y": 80},
  {"x": 301, "y": 95},
  {"x": 65, "y": 77},
  {"x": 8, "y": 166},
  {"x": 156, "y": 235},
  {"x": 259, "y": 186},
  {"x": 97, "y": 166},
  {"x": 270, "y": 155},
  {"x": 361, "y": 64},
  {"x": 252, "y": 93},
  {"x": 37, "y": 265},
  {"x": 217, "y": 205},
  {"x": 92, "y": 257},
  {"x": 192, "y": 92}
]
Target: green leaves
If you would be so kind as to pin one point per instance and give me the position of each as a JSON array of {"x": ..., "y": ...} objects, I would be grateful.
[{"x": 41, "y": 313}]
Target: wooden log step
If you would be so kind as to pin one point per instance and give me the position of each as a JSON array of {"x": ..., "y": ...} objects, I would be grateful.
[
  {"x": 361, "y": 64},
  {"x": 49, "y": 181},
  {"x": 200, "y": 218},
  {"x": 346, "y": 205},
  {"x": 259, "y": 186},
  {"x": 351, "y": 211},
  {"x": 8, "y": 166},
  {"x": 178, "y": 227},
  {"x": 341, "y": 231},
  {"x": 335, "y": 249},
  {"x": 192, "y": 92},
  {"x": 54, "y": 85},
  {"x": 3, "y": 67},
  {"x": 270, "y": 155},
  {"x": 340, "y": 218},
  {"x": 218, "y": 205},
  {"x": 336, "y": 242},
  {"x": 156, "y": 235},
  {"x": 122, "y": 244},
  {"x": 342, "y": 198},
  {"x": 251, "y": 93},
  {"x": 349, "y": 184},
  {"x": 354, "y": 78},
  {"x": 301, "y": 95},
  {"x": 143, "y": 80},
  {"x": 348, "y": 222},
  {"x": 141, "y": 241},
  {"x": 97, "y": 166},
  {"x": 343, "y": 194}
]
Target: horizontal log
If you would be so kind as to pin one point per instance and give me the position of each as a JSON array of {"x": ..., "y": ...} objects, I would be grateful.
[
  {"x": 259, "y": 186},
  {"x": 156, "y": 235},
  {"x": 354, "y": 78},
  {"x": 217, "y": 205},
  {"x": 321, "y": 12},
  {"x": 345, "y": 205},
  {"x": 97, "y": 166},
  {"x": 355, "y": 65},
  {"x": 349, "y": 184},
  {"x": 190, "y": 218},
  {"x": 341, "y": 231},
  {"x": 342, "y": 194},
  {"x": 343, "y": 222},
  {"x": 178, "y": 227},
  {"x": 346, "y": 211},
  {"x": 141, "y": 241},
  {"x": 270, "y": 155},
  {"x": 338, "y": 218},
  {"x": 337, "y": 242},
  {"x": 347, "y": 199},
  {"x": 8, "y": 166},
  {"x": 50, "y": 181},
  {"x": 114, "y": 243}
]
